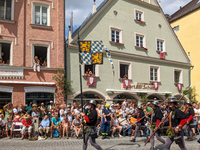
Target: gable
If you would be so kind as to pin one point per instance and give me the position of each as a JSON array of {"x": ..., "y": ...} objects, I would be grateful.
[{"x": 99, "y": 29}]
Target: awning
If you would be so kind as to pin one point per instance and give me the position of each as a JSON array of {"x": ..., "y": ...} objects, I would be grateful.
[{"x": 136, "y": 91}]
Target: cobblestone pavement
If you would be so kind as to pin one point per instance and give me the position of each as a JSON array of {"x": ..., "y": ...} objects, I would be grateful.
[{"x": 74, "y": 144}]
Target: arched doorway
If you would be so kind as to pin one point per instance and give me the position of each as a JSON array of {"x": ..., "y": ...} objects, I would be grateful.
[
  {"x": 154, "y": 97},
  {"x": 87, "y": 96},
  {"x": 5, "y": 98},
  {"x": 120, "y": 98}
]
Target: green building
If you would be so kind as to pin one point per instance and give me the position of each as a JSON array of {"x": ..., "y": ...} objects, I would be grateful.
[{"x": 142, "y": 45}]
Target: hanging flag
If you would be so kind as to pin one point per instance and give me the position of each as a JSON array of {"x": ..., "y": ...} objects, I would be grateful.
[
  {"x": 126, "y": 83},
  {"x": 179, "y": 86},
  {"x": 162, "y": 55},
  {"x": 85, "y": 58},
  {"x": 85, "y": 46},
  {"x": 97, "y": 47},
  {"x": 91, "y": 81},
  {"x": 97, "y": 58},
  {"x": 109, "y": 58},
  {"x": 155, "y": 84}
]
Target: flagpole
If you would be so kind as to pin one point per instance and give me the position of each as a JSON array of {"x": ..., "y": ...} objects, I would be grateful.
[{"x": 81, "y": 89}]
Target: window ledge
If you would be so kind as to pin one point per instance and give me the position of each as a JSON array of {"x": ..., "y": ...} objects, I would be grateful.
[
  {"x": 7, "y": 21},
  {"x": 138, "y": 21},
  {"x": 155, "y": 81},
  {"x": 40, "y": 26},
  {"x": 92, "y": 76},
  {"x": 177, "y": 83},
  {"x": 122, "y": 44},
  {"x": 121, "y": 79},
  {"x": 159, "y": 52},
  {"x": 142, "y": 48}
]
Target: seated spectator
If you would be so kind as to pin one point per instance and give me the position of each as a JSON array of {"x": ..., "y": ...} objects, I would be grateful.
[
  {"x": 44, "y": 127},
  {"x": 9, "y": 127},
  {"x": 29, "y": 107},
  {"x": 16, "y": 110},
  {"x": 90, "y": 74},
  {"x": 2, "y": 124},
  {"x": 76, "y": 123},
  {"x": 1, "y": 111},
  {"x": 56, "y": 124},
  {"x": 1, "y": 61},
  {"x": 36, "y": 64},
  {"x": 76, "y": 111},
  {"x": 69, "y": 116},
  {"x": 125, "y": 124},
  {"x": 125, "y": 76},
  {"x": 8, "y": 110},
  {"x": 66, "y": 127},
  {"x": 43, "y": 111},
  {"x": 44, "y": 63},
  {"x": 62, "y": 114},
  {"x": 55, "y": 110},
  {"x": 27, "y": 124},
  {"x": 35, "y": 113},
  {"x": 115, "y": 125},
  {"x": 17, "y": 119}
]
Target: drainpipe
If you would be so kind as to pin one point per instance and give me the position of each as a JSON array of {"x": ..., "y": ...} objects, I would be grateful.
[
  {"x": 65, "y": 51},
  {"x": 190, "y": 74}
]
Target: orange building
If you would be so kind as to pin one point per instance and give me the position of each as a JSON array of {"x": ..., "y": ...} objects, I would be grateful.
[{"x": 30, "y": 28}]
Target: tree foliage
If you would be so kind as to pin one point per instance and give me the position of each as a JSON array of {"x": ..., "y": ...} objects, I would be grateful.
[
  {"x": 143, "y": 97},
  {"x": 63, "y": 83}
]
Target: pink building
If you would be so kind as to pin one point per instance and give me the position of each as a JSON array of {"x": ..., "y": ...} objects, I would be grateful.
[{"x": 30, "y": 28}]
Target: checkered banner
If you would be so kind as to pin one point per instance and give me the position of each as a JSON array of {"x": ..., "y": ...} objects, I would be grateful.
[{"x": 91, "y": 52}]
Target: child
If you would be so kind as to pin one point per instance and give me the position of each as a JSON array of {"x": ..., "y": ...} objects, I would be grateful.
[
  {"x": 16, "y": 120},
  {"x": 2, "y": 125},
  {"x": 66, "y": 126},
  {"x": 9, "y": 127}
]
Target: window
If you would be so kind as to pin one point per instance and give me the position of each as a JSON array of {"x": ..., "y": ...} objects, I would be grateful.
[
  {"x": 154, "y": 73},
  {"x": 139, "y": 40},
  {"x": 138, "y": 15},
  {"x": 178, "y": 76},
  {"x": 160, "y": 45},
  {"x": 41, "y": 15},
  {"x": 5, "y": 53},
  {"x": 115, "y": 36},
  {"x": 89, "y": 69},
  {"x": 42, "y": 51},
  {"x": 125, "y": 70},
  {"x": 6, "y": 9},
  {"x": 5, "y": 98}
]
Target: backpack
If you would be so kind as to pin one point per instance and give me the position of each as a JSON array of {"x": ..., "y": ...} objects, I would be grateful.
[{"x": 55, "y": 133}]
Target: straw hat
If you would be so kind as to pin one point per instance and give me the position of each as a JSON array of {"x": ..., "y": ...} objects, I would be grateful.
[
  {"x": 26, "y": 116},
  {"x": 120, "y": 113},
  {"x": 34, "y": 105}
]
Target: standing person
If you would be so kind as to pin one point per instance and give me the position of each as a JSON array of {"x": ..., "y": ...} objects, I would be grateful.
[
  {"x": 177, "y": 119},
  {"x": 106, "y": 121},
  {"x": 50, "y": 109},
  {"x": 140, "y": 123},
  {"x": 156, "y": 117},
  {"x": 91, "y": 118},
  {"x": 189, "y": 111},
  {"x": 8, "y": 111}
]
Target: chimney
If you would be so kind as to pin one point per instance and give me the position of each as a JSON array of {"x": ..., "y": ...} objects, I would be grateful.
[
  {"x": 71, "y": 22},
  {"x": 70, "y": 34},
  {"x": 94, "y": 8}
]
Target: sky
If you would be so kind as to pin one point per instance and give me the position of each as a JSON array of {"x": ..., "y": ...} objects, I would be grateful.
[{"x": 82, "y": 8}]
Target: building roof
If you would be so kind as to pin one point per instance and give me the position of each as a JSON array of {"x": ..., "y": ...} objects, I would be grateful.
[
  {"x": 88, "y": 19},
  {"x": 191, "y": 6}
]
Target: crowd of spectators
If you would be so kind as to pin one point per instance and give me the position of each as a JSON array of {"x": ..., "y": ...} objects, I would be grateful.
[{"x": 61, "y": 120}]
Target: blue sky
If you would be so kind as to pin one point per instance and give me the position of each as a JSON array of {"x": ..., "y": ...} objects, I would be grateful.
[{"x": 82, "y": 8}]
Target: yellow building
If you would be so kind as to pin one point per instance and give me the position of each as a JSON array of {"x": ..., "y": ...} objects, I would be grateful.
[{"x": 186, "y": 24}]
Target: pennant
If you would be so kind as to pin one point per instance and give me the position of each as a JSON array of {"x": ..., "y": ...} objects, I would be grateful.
[
  {"x": 109, "y": 58},
  {"x": 126, "y": 84},
  {"x": 179, "y": 86},
  {"x": 162, "y": 55},
  {"x": 155, "y": 84},
  {"x": 91, "y": 81}
]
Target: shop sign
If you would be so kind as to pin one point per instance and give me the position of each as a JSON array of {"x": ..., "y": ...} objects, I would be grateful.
[
  {"x": 142, "y": 86},
  {"x": 5, "y": 72}
]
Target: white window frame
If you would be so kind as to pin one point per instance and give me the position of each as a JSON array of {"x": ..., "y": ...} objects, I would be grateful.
[
  {"x": 181, "y": 75},
  {"x": 11, "y": 49},
  {"x": 48, "y": 12},
  {"x": 120, "y": 34},
  {"x": 12, "y": 10},
  {"x": 144, "y": 39},
  {"x": 141, "y": 12},
  {"x": 96, "y": 70},
  {"x": 164, "y": 47},
  {"x": 129, "y": 69},
  {"x": 33, "y": 53},
  {"x": 158, "y": 73}
]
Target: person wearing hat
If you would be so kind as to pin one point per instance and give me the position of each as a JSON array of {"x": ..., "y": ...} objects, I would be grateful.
[
  {"x": 91, "y": 118},
  {"x": 125, "y": 124},
  {"x": 177, "y": 119},
  {"x": 112, "y": 109},
  {"x": 27, "y": 124},
  {"x": 156, "y": 117},
  {"x": 189, "y": 111},
  {"x": 106, "y": 113},
  {"x": 140, "y": 122}
]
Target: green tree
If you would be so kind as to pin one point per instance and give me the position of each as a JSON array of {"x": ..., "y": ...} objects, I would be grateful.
[
  {"x": 64, "y": 85},
  {"x": 168, "y": 95},
  {"x": 191, "y": 93},
  {"x": 143, "y": 97}
]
